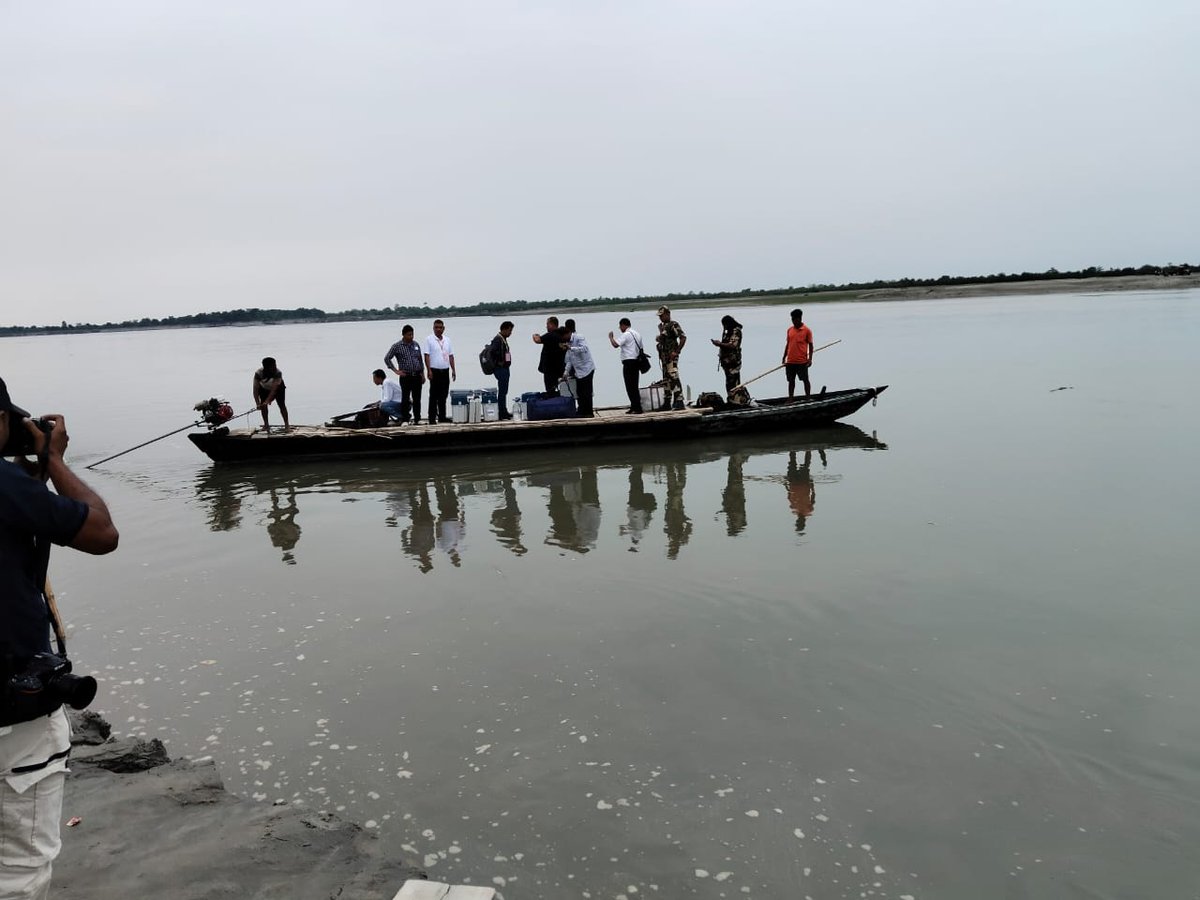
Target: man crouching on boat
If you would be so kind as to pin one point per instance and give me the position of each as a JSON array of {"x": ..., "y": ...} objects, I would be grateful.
[{"x": 269, "y": 388}]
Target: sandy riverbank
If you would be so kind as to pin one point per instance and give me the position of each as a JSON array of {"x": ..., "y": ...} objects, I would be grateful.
[
  {"x": 1026, "y": 288},
  {"x": 153, "y": 827}
]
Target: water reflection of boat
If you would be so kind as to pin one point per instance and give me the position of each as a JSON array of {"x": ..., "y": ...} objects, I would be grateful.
[
  {"x": 609, "y": 426},
  {"x": 432, "y": 509}
]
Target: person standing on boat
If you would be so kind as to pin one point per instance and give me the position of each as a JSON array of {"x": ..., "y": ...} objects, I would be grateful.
[
  {"x": 269, "y": 388},
  {"x": 729, "y": 357},
  {"x": 630, "y": 346},
  {"x": 798, "y": 353},
  {"x": 670, "y": 343},
  {"x": 35, "y": 736},
  {"x": 410, "y": 370},
  {"x": 552, "y": 362},
  {"x": 581, "y": 366},
  {"x": 439, "y": 366},
  {"x": 501, "y": 356}
]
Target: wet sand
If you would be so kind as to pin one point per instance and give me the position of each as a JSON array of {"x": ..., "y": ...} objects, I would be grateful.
[{"x": 154, "y": 827}]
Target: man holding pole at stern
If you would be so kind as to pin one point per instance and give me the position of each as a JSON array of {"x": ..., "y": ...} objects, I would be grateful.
[
  {"x": 35, "y": 736},
  {"x": 798, "y": 353}
]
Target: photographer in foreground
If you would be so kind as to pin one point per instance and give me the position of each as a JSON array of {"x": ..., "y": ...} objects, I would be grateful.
[{"x": 35, "y": 736}]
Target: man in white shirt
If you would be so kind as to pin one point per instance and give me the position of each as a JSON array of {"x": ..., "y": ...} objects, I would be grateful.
[
  {"x": 439, "y": 366},
  {"x": 630, "y": 346},
  {"x": 390, "y": 396},
  {"x": 581, "y": 366}
]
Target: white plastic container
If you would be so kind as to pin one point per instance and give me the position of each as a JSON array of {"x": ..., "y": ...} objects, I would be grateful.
[
  {"x": 518, "y": 410},
  {"x": 459, "y": 414},
  {"x": 474, "y": 410},
  {"x": 491, "y": 412}
]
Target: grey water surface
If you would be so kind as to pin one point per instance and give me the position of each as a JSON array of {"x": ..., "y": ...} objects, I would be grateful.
[{"x": 944, "y": 650}]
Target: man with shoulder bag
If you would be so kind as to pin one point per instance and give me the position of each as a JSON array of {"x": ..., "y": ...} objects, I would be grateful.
[
  {"x": 634, "y": 362},
  {"x": 35, "y": 737}
]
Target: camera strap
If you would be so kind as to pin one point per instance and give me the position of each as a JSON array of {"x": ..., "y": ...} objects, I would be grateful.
[{"x": 43, "y": 580}]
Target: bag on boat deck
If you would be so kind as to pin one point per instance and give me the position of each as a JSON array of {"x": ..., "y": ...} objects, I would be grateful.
[
  {"x": 485, "y": 360},
  {"x": 371, "y": 417},
  {"x": 713, "y": 401}
]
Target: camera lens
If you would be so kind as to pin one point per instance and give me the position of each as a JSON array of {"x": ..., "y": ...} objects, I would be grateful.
[{"x": 77, "y": 691}]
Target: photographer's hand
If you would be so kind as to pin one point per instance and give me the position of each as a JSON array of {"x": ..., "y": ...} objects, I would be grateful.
[{"x": 98, "y": 533}]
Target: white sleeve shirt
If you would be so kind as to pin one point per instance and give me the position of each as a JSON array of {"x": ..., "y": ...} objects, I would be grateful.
[
  {"x": 390, "y": 390},
  {"x": 627, "y": 343},
  {"x": 439, "y": 351}
]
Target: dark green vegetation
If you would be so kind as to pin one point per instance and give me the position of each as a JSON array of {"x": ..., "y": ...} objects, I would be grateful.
[{"x": 814, "y": 292}]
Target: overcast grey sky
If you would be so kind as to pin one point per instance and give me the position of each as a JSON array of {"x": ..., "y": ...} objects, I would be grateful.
[{"x": 163, "y": 157}]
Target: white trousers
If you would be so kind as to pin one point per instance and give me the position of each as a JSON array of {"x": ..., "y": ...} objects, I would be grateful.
[{"x": 29, "y": 837}]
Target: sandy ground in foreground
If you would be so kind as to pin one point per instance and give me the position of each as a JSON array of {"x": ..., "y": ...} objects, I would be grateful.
[{"x": 151, "y": 827}]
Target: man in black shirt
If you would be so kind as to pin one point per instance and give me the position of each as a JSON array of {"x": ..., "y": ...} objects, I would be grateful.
[
  {"x": 554, "y": 357},
  {"x": 34, "y": 743}
]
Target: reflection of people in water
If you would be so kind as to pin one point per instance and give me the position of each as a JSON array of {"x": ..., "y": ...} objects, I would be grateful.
[
  {"x": 641, "y": 508},
  {"x": 423, "y": 531},
  {"x": 574, "y": 508},
  {"x": 506, "y": 521},
  {"x": 677, "y": 525},
  {"x": 802, "y": 493},
  {"x": 450, "y": 521},
  {"x": 281, "y": 524},
  {"x": 733, "y": 497},
  {"x": 417, "y": 538},
  {"x": 225, "y": 510}
]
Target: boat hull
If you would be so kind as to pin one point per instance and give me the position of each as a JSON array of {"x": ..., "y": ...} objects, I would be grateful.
[{"x": 610, "y": 426}]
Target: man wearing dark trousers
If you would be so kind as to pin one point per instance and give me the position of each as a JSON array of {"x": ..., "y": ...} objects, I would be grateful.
[
  {"x": 439, "y": 366},
  {"x": 410, "y": 369},
  {"x": 553, "y": 360},
  {"x": 629, "y": 343}
]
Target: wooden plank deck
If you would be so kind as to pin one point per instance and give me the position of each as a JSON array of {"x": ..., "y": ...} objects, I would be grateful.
[
  {"x": 611, "y": 414},
  {"x": 436, "y": 890}
]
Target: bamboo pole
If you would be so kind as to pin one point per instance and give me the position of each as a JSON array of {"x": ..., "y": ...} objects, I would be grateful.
[{"x": 780, "y": 366}]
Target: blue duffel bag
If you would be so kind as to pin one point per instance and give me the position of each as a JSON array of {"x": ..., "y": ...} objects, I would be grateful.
[{"x": 542, "y": 408}]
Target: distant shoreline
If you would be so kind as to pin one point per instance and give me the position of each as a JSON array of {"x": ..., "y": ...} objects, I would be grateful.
[
  {"x": 963, "y": 291},
  {"x": 1095, "y": 284}
]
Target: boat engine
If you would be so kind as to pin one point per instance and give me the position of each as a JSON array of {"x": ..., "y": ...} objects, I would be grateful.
[{"x": 214, "y": 413}]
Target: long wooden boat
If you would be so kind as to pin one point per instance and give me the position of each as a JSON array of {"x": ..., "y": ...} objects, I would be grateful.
[{"x": 609, "y": 425}]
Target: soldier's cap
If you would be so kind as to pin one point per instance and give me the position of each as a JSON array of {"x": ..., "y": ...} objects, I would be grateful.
[
  {"x": 6, "y": 404},
  {"x": 664, "y": 309}
]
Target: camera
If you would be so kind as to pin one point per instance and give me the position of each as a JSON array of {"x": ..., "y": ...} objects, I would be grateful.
[
  {"x": 20, "y": 441},
  {"x": 42, "y": 687}
]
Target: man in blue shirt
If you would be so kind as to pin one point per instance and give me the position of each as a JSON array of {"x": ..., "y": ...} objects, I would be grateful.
[{"x": 33, "y": 752}]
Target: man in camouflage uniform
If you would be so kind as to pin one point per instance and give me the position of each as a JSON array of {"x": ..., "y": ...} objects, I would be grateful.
[
  {"x": 670, "y": 343},
  {"x": 729, "y": 355}
]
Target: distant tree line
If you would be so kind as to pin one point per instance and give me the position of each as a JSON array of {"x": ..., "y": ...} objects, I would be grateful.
[{"x": 256, "y": 316}]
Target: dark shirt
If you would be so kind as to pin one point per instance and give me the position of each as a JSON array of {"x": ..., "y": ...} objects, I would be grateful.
[
  {"x": 554, "y": 357},
  {"x": 28, "y": 510},
  {"x": 498, "y": 351},
  {"x": 408, "y": 357}
]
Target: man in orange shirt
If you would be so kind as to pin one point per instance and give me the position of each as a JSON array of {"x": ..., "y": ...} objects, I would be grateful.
[{"x": 798, "y": 353}]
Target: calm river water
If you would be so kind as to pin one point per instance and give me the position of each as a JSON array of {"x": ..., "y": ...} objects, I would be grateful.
[{"x": 946, "y": 650}]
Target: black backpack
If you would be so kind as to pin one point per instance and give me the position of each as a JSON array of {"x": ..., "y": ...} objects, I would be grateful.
[{"x": 485, "y": 360}]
